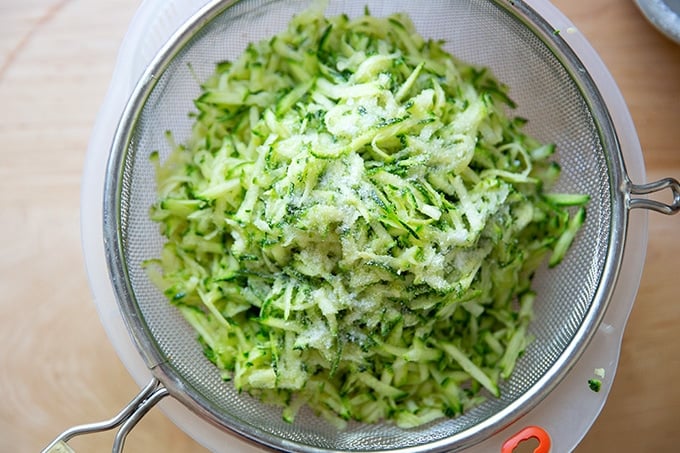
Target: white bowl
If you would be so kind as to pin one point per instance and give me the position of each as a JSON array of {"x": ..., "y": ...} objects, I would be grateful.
[{"x": 569, "y": 410}]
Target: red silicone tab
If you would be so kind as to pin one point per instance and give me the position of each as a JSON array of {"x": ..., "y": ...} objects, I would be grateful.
[{"x": 527, "y": 433}]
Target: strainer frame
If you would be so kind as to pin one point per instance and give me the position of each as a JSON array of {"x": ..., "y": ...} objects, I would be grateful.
[{"x": 165, "y": 373}]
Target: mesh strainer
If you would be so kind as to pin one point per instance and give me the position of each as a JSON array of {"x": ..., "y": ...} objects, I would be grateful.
[{"x": 552, "y": 89}]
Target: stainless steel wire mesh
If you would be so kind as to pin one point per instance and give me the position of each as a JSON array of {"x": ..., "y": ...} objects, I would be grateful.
[{"x": 551, "y": 91}]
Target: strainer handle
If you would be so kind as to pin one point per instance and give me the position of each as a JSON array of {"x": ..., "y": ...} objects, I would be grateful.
[
  {"x": 126, "y": 419},
  {"x": 652, "y": 187}
]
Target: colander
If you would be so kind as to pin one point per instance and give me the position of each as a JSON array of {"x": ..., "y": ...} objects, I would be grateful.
[{"x": 550, "y": 74}]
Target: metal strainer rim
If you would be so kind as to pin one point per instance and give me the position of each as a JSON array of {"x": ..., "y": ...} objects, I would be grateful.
[{"x": 168, "y": 376}]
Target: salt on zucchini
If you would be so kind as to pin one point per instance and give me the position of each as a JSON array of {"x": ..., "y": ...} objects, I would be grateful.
[{"x": 354, "y": 222}]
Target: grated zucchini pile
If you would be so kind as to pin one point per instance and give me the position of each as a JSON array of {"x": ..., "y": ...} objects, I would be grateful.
[{"x": 355, "y": 221}]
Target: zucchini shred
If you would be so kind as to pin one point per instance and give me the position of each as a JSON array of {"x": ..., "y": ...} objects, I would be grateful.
[{"x": 354, "y": 223}]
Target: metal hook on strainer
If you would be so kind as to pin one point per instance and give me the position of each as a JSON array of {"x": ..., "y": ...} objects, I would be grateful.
[
  {"x": 553, "y": 87},
  {"x": 655, "y": 187}
]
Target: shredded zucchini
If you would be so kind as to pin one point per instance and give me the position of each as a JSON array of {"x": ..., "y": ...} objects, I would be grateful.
[{"x": 355, "y": 221}]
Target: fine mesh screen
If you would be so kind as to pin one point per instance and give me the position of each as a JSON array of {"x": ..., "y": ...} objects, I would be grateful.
[{"x": 479, "y": 32}]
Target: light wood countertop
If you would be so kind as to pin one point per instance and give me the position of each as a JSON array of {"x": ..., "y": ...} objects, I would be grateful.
[{"x": 57, "y": 365}]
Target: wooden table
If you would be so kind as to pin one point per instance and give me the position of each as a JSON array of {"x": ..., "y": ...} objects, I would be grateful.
[{"x": 57, "y": 365}]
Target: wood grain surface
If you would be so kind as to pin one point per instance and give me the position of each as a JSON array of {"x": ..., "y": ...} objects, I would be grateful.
[{"x": 57, "y": 367}]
